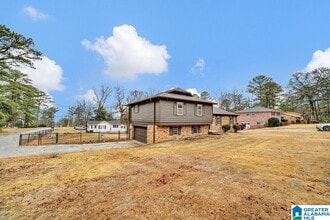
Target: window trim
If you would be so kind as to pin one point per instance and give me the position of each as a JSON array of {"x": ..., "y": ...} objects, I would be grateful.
[
  {"x": 181, "y": 109},
  {"x": 195, "y": 129},
  {"x": 175, "y": 130},
  {"x": 199, "y": 110},
  {"x": 136, "y": 108},
  {"x": 218, "y": 120}
]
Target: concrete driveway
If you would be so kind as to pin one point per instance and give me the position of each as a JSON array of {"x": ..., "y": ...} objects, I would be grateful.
[{"x": 9, "y": 147}]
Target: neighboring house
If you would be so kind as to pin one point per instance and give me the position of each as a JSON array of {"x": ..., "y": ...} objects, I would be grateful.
[
  {"x": 257, "y": 116},
  {"x": 292, "y": 117},
  {"x": 106, "y": 126},
  {"x": 222, "y": 117},
  {"x": 170, "y": 115}
]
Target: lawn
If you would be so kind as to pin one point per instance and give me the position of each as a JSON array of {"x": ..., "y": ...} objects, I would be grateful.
[{"x": 255, "y": 174}]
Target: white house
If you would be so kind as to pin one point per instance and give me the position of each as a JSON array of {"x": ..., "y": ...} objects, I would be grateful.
[{"x": 106, "y": 126}]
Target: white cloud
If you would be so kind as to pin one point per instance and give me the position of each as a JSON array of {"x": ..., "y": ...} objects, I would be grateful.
[
  {"x": 89, "y": 96},
  {"x": 199, "y": 67},
  {"x": 47, "y": 75},
  {"x": 194, "y": 91},
  {"x": 320, "y": 59},
  {"x": 34, "y": 13},
  {"x": 126, "y": 54}
]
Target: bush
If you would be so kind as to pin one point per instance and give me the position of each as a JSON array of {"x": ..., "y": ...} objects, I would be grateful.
[
  {"x": 273, "y": 122},
  {"x": 236, "y": 127},
  {"x": 225, "y": 128},
  {"x": 42, "y": 125}
]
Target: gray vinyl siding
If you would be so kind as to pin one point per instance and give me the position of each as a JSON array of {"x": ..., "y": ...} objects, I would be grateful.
[
  {"x": 167, "y": 114},
  {"x": 145, "y": 115}
]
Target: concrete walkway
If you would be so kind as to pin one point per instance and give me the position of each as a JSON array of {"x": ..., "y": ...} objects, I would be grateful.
[{"x": 9, "y": 147}]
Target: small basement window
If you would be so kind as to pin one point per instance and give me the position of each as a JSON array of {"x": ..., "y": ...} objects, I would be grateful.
[
  {"x": 175, "y": 130},
  {"x": 196, "y": 129}
]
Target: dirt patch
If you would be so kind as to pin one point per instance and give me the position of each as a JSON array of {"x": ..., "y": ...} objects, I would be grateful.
[{"x": 249, "y": 175}]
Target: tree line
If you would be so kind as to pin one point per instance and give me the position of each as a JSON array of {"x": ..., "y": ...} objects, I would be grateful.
[
  {"x": 100, "y": 108},
  {"x": 23, "y": 105}
]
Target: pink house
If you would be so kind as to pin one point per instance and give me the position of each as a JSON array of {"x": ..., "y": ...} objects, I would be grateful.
[{"x": 257, "y": 117}]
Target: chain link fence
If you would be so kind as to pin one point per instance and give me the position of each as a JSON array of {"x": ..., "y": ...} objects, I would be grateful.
[{"x": 47, "y": 137}]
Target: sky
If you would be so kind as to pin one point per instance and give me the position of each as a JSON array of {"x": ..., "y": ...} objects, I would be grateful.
[{"x": 209, "y": 45}]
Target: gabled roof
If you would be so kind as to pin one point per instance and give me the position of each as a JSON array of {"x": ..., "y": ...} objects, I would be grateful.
[
  {"x": 258, "y": 109},
  {"x": 113, "y": 122},
  {"x": 219, "y": 111},
  {"x": 293, "y": 114},
  {"x": 173, "y": 94},
  {"x": 95, "y": 122}
]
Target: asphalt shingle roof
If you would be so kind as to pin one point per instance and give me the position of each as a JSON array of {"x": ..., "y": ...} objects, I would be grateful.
[{"x": 174, "y": 94}]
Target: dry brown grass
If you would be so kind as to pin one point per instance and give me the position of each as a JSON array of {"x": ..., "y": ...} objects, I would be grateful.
[
  {"x": 5, "y": 131},
  {"x": 255, "y": 174}
]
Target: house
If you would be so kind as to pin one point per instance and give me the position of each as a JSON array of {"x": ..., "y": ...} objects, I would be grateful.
[
  {"x": 106, "y": 126},
  {"x": 257, "y": 116},
  {"x": 292, "y": 117},
  {"x": 222, "y": 117},
  {"x": 170, "y": 115}
]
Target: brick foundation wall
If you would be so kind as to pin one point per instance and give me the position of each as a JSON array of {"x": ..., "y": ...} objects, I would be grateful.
[{"x": 163, "y": 133}]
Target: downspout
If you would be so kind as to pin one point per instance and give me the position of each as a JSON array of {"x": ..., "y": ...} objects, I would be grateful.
[
  {"x": 154, "y": 127},
  {"x": 129, "y": 123}
]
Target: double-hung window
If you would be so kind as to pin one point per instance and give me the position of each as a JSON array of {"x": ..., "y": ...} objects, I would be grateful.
[
  {"x": 136, "y": 109},
  {"x": 199, "y": 110},
  {"x": 218, "y": 122},
  {"x": 179, "y": 108}
]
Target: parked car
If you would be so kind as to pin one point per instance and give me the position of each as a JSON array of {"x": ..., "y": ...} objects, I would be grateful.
[
  {"x": 81, "y": 127},
  {"x": 323, "y": 127}
]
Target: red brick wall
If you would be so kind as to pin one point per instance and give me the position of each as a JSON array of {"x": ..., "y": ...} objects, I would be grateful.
[{"x": 254, "y": 118}]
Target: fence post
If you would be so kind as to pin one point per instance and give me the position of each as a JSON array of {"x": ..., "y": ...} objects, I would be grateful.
[
  {"x": 118, "y": 135},
  {"x": 39, "y": 139},
  {"x": 28, "y": 139},
  {"x": 20, "y": 139},
  {"x": 56, "y": 138},
  {"x": 80, "y": 136}
]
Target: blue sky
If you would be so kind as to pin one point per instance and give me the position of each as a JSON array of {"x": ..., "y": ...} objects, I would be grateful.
[{"x": 203, "y": 45}]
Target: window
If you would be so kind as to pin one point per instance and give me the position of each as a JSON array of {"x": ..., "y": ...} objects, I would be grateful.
[
  {"x": 273, "y": 114},
  {"x": 136, "y": 108},
  {"x": 199, "y": 110},
  {"x": 115, "y": 126},
  {"x": 260, "y": 123},
  {"x": 196, "y": 129},
  {"x": 253, "y": 113},
  {"x": 231, "y": 119},
  {"x": 179, "y": 108},
  {"x": 175, "y": 130},
  {"x": 218, "y": 120},
  {"x": 247, "y": 114}
]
